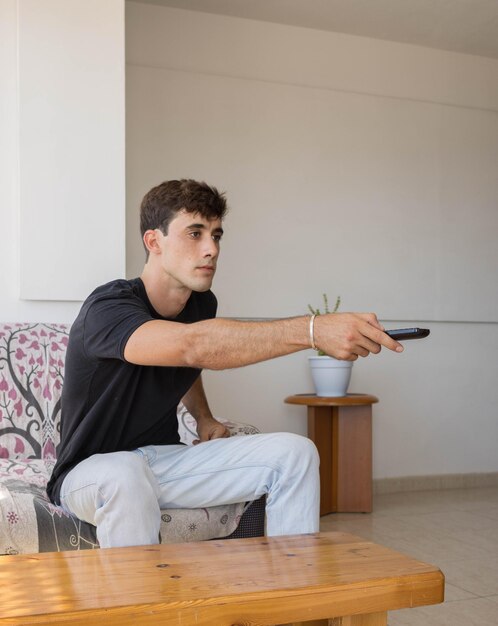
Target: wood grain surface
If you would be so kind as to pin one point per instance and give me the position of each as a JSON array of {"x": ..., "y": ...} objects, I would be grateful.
[{"x": 257, "y": 581}]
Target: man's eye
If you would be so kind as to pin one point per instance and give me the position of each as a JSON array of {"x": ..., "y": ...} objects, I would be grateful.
[
  {"x": 217, "y": 237},
  {"x": 195, "y": 234}
]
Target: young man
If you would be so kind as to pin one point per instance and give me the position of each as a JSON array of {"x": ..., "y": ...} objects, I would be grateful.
[{"x": 136, "y": 350}]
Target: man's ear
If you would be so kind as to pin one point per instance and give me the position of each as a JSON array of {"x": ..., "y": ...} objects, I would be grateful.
[{"x": 151, "y": 241}]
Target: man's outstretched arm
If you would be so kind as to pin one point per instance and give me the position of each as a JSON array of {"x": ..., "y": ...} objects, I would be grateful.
[{"x": 224, "y": 343}]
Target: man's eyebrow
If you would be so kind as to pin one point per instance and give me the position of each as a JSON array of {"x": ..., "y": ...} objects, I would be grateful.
[{"x": 218, "y": 230}]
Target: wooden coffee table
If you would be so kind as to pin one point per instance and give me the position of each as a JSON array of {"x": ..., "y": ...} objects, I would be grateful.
[{"x": 257, "y": 581}]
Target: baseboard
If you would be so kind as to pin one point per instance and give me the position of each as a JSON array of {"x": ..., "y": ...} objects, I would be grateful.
[{"x": 435, "y": 482}]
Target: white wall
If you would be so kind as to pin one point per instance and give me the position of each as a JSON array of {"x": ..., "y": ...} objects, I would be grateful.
[
  {"x": 185, "y": 74},
  {"x": 62, "y": 185}
]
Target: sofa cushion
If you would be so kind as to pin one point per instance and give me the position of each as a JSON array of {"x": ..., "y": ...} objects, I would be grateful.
[{"x": 31, "y": 376}]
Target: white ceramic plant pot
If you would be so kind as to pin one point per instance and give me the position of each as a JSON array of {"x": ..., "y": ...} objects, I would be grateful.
[{"x": 330, "y": 376}]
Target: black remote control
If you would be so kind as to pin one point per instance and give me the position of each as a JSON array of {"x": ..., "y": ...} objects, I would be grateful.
[{"x": 402, "y": 334}]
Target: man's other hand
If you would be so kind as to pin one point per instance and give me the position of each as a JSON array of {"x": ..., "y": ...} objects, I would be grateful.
[{"x": 208, "y": 429}]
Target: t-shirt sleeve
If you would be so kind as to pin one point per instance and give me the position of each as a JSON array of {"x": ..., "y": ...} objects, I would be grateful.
[{"x": 110, "y": 321}]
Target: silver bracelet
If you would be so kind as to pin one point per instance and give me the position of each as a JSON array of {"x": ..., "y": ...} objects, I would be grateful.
[{"x": 312, "y": 331}]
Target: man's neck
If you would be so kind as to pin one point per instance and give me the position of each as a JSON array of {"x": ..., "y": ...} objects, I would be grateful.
[{"x": 167, "y": 299}]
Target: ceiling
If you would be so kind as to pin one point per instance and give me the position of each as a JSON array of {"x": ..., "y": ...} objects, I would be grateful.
[{"x": 466, "y": 26}]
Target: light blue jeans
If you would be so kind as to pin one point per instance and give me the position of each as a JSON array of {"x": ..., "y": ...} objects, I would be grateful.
[{"x": 122, "y": 493}]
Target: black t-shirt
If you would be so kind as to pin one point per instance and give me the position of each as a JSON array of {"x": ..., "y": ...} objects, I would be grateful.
[{"x": 109, "y": 404}]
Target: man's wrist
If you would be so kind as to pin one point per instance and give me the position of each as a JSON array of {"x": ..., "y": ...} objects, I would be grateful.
[
  {"x": 205, "y": 418},
  {"x": 312, "y": 331}
]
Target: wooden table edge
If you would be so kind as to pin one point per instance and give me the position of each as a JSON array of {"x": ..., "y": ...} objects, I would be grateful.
[
  {"x": 352, "y": 399},
  {"x": 424, "y": 589}
]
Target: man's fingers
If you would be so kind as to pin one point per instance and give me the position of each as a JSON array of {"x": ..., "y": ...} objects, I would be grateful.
[
  {"x": 220, "y": 434},
  {"x": 374, "y": 336},
  {"x": 383, "y": 339},
  {"x": 371, "y": 318}
]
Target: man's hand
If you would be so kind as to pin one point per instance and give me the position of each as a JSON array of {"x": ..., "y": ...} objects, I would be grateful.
[
  {"x": 210, "y": 428},
  {"x": 207, "y": 426},
  {"x": 347, "y": 336}
]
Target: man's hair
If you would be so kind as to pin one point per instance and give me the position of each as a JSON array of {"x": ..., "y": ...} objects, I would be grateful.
[{"x": 161, "y": 205}]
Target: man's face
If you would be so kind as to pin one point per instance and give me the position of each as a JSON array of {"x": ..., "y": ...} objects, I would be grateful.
[{"x": 190, "y": 250}]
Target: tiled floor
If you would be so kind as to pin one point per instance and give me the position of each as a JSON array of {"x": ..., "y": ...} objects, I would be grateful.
[{"x": 457, "y": 530}]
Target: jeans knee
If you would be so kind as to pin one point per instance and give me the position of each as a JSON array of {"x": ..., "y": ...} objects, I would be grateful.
[
  {"x": 127, "y": 475},
  {"x": 298, "y": 450},
  {"x": 306, "y": 451}
]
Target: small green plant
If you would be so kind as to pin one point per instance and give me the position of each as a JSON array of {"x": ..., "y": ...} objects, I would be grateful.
[
  {"x": 326, "y": 306},
  {"x": 326, "y": 310}
]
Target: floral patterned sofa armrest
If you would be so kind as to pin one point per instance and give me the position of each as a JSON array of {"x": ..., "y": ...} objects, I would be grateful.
[
  {"x": 187, "y": 426},
  {"x": 31, "y": 375}
]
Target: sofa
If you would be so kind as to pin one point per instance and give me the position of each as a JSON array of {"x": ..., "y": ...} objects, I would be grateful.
[{"x": 31, "y": 378}]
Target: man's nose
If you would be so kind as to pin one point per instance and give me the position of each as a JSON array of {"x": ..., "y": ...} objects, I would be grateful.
[{"x": 211, "y": 248}]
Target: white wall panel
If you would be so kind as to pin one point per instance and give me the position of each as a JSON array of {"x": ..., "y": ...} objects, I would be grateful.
[{"x": 71, "y": 146}]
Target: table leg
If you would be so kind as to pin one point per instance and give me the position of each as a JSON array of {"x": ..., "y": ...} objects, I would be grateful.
[
  {"x": 320, "y": 432},
  {"x": 315, "y": 622},
  {"x": 352, "y": 451},
  {"x": 372, "y": 619},
  {"x": 343, "y": 436}
]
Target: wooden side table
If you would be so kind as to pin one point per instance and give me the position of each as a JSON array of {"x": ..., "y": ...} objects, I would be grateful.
[{"x": 341, "y": 429}]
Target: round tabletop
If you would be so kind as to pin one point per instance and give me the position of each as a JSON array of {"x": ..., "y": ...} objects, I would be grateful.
[{"x": 351, "y": 399}]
